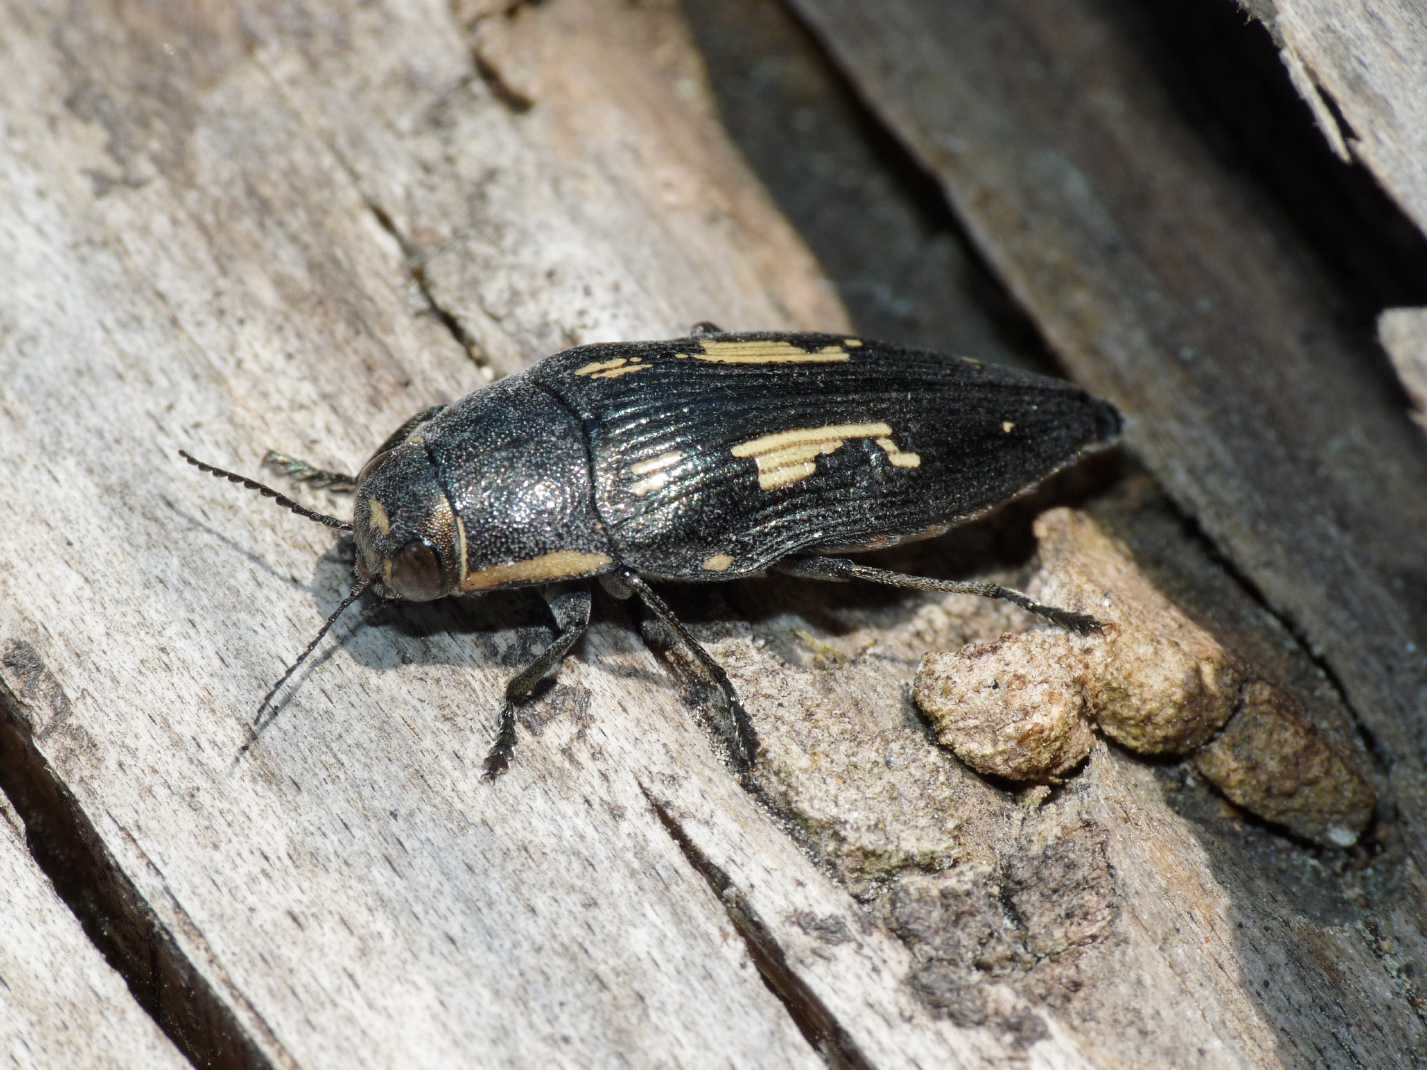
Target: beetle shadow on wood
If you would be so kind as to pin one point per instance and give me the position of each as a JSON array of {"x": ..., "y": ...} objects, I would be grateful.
[{"x": 502, "y": 629}]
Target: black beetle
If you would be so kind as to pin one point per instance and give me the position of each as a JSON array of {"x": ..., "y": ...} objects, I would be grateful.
[{"x": 699, "y": 459}]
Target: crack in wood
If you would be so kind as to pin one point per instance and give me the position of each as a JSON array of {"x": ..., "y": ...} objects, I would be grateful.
[
  {"x": 512, "y": 99},
  {"x": 116, "y": 918},
  {"x": 417, "y": 270},
  {"x": 490, "y": 75},
  {"x": 411, "y": 257},
  {"x": 814, "y": 1018}
]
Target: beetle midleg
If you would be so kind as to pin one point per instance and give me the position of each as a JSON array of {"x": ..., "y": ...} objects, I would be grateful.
[
  {"x": 300, "y": 470},
  {"x": 744, "y": 745},
  {"x": 570, "y": 606},
  {"x": 840, "y": 569}
]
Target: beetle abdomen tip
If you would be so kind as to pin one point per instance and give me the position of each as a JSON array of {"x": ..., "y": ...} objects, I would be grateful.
[{"x": 1108, "y": 422}]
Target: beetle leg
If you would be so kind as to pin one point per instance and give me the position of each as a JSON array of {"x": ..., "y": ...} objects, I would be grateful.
[
  {"x": 744, "y": 749},
  {"x": 703, "y": 328},
  {"x": 300, "y": 470},
  {"x": 839, "y": 569},
  {"x": 570, "y": 606}
]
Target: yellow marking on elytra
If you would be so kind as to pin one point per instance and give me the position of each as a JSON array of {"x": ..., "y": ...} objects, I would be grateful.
[
  {"x": 376, "y": 511},
  {"x": 557, "y": 565},
  {"x": 852, "y": 343},
  {"x": 654, "y": 464},
  {"x": 786, "y": 457},
  {"x": 612, "y": 369},
  {"x": 655, "y": 471},
  {"x": 897, "y": 457},
  {"x": 718, "y": 563},
  {"x": 1007, "y": 426},
  {"x": 757, "y": 352}
]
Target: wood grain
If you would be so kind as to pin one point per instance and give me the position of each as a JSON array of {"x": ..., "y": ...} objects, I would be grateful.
[{"x": 290, "y": 226}]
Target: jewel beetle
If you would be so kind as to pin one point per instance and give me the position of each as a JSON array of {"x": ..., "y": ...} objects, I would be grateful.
[{"x": 713, "y": 457}]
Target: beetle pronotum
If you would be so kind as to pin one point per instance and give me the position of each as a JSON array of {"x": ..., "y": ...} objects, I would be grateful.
[{"x": 700, "y": 459}]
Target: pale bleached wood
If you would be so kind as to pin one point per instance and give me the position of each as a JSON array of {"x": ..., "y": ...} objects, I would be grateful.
[
  {"x": 1403, "y": 334},
  {"x": 212, "y": 220},
  {"x": 60, "y": 1003}
]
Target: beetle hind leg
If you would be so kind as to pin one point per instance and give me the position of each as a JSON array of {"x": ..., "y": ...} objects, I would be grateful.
[
  {"x": 839, "y": 569},
  {"x": 570, "y": 606},
  {"x": 743, "y": 747}
]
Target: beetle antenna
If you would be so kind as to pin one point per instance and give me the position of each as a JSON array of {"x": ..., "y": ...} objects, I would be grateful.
[
  {"x": 267, "y": 492},
  {"x": 358, "y": 589}
]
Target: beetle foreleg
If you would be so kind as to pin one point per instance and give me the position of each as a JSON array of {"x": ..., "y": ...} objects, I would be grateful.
[
  {"x": 300, "y": 470},
  {"x": 839, "y": 569},
  {"x": 570, "y": 606},
  {"x": 745, "y": 740}
]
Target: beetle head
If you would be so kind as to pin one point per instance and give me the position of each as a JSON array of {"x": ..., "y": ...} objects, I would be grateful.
[{"x": 408, "y": 538}]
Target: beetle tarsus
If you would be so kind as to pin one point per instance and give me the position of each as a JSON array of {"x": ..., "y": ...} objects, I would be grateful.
[
  {"x": 743, "y": 746},
  {"x": 498, "y": 760},
  {"x": 840, "y": 569},
  {"x": 570, "y": 606}
]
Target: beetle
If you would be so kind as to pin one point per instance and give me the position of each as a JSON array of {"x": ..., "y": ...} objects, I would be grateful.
[{"x": 708, "y": 458}]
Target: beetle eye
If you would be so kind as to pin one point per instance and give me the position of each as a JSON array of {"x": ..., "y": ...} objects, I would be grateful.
[{"x": 416, "y": 572}]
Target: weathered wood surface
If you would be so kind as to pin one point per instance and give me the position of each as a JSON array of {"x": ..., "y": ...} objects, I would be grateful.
[
  {"x": 1169, "y": 284},
  {"x": 292, "y": 227},
  {"x": 61, "y": 1004}
]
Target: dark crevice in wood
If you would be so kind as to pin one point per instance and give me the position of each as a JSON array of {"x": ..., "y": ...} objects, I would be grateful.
[
  {"x": 417, "y": 270},
  {"x": 115, "y": 917},
  {"x": 1345, "y": 128},
  {"x": 814, "y": 1019},
  {"x": 512, "y": 99},
  {"x": 509, "y": 97}
]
